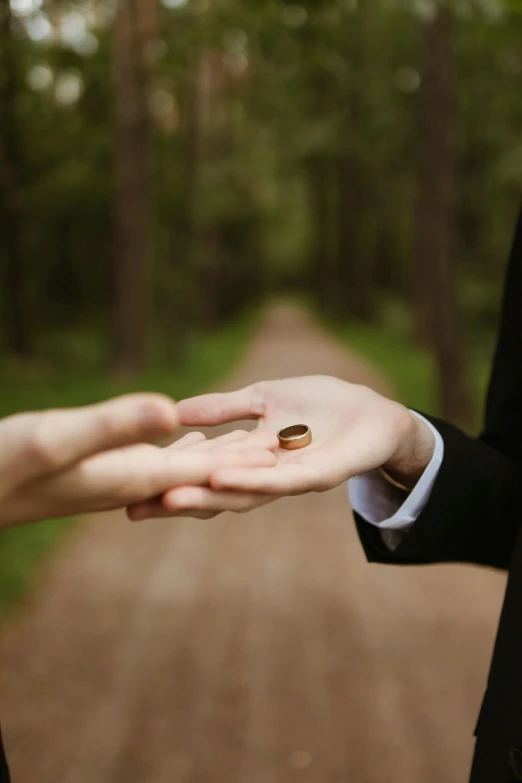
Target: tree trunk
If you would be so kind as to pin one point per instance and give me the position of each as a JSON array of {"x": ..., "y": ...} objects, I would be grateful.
[
  {"x": 355, "y": 257},
  {"x": 205, "y": 237},
  {"x": 353, "y": 263},
  {"x": 134, "y": 33},
  {"x": 16, "y": 278},
  {"x": 323, "y": 276},
  {"x": 436, "y": 269},
  {"x": 187, "y": 282}
]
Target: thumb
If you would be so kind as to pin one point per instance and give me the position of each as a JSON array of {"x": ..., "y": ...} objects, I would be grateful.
[{"x": 41, "y": 443}]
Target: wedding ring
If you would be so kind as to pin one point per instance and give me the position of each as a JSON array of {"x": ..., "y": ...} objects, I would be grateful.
[{"x": 296, "y": 437}]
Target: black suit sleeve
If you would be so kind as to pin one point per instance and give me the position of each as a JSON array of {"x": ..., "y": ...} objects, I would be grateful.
[
  {"x": 473, "y": 514},
  {"x": 475, "y": 511},
  {"x": 4, "y": 771},
  {"x": 503, "y": 426}
]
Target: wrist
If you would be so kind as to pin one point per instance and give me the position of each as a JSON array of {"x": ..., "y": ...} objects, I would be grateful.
[{"x": 414, "y": 453}]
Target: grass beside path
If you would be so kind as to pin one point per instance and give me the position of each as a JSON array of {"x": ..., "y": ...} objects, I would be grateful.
[
  {"x": 411, "y": 371},
  {"x": 22, "y": 549}
]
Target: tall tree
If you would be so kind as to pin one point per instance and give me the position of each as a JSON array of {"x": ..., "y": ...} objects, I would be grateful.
[
  {"x": 436, "y": 268},
  {"x": 323, "y": 277},
  {"x": 134, "y": 35},
  {"x": 188, "y": 287},
  {"x": 201, "y": 151},
  {"x": 354, "y": 205},
  {"x": 12, "y": 210}
]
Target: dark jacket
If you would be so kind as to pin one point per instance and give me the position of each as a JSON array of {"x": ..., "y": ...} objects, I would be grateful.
[
  {"x": 474, "y": 515},
  {"x": 4, "y": 772}
]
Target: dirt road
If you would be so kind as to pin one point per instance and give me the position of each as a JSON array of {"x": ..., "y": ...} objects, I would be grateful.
[{"x": 257, "y": 649}]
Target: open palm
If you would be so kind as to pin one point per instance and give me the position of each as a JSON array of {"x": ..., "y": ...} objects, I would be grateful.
[{"x": 354, "y": 430}]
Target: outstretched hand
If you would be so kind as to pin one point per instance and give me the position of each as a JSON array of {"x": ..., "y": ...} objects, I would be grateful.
[
  {"x": 354, "y": 430},
  {"x": 95, "y": 458}
]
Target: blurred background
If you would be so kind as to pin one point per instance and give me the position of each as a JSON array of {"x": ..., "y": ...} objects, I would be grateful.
[{"x": 205, "y": 192}]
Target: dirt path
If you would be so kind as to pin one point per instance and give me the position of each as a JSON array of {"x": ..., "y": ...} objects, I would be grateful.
[{"x": 248, "y": 650}]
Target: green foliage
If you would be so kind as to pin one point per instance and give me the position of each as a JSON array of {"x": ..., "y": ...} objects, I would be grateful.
[
  {"x": 327, "y": 81},
  {"x": 410, "y": 370},
  {"x": 21, "y": 552},
  {"x": 79, "y": 380},
  {"x": 387, "y": 345}
]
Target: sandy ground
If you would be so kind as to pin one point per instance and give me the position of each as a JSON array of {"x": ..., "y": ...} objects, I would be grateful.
[{"x": 260, "y": 649}]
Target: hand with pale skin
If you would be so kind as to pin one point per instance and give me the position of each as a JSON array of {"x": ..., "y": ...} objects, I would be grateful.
[
  {"x": 100, "y": 457},
  {"x": 355, "y": 430}
]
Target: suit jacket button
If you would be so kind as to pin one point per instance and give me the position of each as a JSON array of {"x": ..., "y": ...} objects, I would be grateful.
[{"x": 515, "y": 762}]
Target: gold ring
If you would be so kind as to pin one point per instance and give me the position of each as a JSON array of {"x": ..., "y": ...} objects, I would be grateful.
[{"x": 296, "y": 437}]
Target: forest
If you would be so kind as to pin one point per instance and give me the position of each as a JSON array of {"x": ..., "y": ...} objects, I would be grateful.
[
  {"x": 165, "y": 167},
  {"x": 172, "y": 171}
]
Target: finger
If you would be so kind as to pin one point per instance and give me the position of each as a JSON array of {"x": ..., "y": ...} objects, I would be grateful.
[
  {"x": 213, "y": 409},
  {"x": 182, "y": 500},
  {"x": 132, "y": 475},
  {"x": 207, "y": 499},
  {"x": 237, "y": 440},
  {"x": 257, "y": 439},
  {"x": 40, "y": 443},
  {"x": 281, "y": 480},
  {"x": 222, "y": 441},
  {"x": 149, "y": 509},
  {"x": 153, "y": 509},
  {"x": 191, "y": 439}
]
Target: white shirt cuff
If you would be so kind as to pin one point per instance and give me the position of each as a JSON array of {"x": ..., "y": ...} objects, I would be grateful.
[{"x": 381, "y": 504}]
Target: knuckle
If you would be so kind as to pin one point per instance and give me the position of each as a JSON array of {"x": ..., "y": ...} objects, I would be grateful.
[
  {"x": 321, "y": 482},
  {"x": 258, "y": 407},
  {"x": 175, "y": 504},
  {"x": 41, "y": 452},
  {"x": 248, "y": 504},
  {"x": 111, "y": 429}
]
